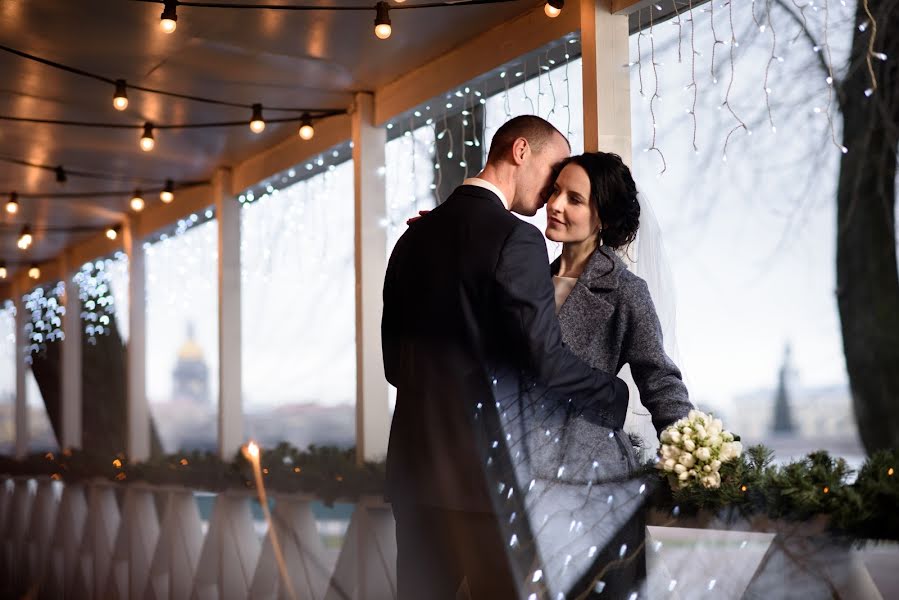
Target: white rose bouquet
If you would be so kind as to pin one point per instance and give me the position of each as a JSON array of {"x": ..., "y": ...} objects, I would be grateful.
[{"x": 693, "y": 450}]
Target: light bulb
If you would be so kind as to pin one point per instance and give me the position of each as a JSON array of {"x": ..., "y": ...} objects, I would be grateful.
[
  {"x": 147, "y": 142},
  {"x": 169, "y": 17},
  {"x": 137, "y": 202},
  {"x": 382, "y": 21},
  {"x": 120, "y": 98},
  {"x": 383, "y": 31},
  {"x": 306, "y": 128},
  {"x": 553, "y": 8},
  {"x": 111, "y": 233},
  {"x": 12, "y": 205},
  {"x": 34, "y": 272},
  {"x": 167, "y": 195},
  {"x": 25, "y": 238},
  {"x": 257, "y": 123},
  {"x": 3, "y": 272}
]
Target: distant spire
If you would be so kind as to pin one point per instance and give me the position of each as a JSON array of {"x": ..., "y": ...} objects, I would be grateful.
[{"x": 782, "y": 422}]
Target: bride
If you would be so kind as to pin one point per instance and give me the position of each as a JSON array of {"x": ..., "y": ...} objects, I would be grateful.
[{"x": 584, "y": 532}]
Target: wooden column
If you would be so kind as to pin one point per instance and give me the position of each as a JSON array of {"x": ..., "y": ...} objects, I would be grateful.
[
  {"x": 70, "y": 382},
  {"x": 138, "y": 409},
  {"x": 230, "y": 416},
  {"x": 372, "y": 411},
  {"x": 18, "y": 290},
  {"x": 607, "y": 100}
]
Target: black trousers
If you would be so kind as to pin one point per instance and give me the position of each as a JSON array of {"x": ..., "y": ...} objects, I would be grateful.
[{"x": 437, "y": 549}]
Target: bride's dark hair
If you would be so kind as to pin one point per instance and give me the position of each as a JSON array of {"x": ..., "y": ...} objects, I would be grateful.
[{"x": 613, "y": 194}]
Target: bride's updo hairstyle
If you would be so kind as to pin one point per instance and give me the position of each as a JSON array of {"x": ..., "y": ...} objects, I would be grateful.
[{"x": 614, "y": 196}]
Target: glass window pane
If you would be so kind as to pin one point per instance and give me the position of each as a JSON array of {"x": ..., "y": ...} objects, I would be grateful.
[
  {"x": 298, "y": 312},
  {"x": 182, "y": 336},
  {"x": 750, "y": 239}
]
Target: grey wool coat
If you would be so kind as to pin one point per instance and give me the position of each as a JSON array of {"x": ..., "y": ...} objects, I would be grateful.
[{"x": 609, "y": 320}]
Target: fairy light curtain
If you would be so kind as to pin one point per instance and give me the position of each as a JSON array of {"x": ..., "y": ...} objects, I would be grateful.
[{"x": 298, "y": 305}]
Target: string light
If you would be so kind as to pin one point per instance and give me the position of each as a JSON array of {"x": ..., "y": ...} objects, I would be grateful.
[
  {"x": 120, "y": 98},
  {"x": 167, "y": 195},
  {"x": 3, "y": 272},
  {"x": 168, "y": 21},
  {"x": 382, "y": 21},
  {"x": 306, "y": 128},
  {"x": 257, "y": 123},
  {"x": 147, "y": 141},
  {"x": 553, "y": 8},
  {"x": 733, "y": 44},
  {"x": 137, "y": 201},
  {"x": 12, "y": 205},
  {"x": 25, "y": 238},
  {"x": 655, "y": 94},
  {"x": 693, "y": 84},
  {"x": 112, "y": 232},
  {"x": 34, "y": 272}
]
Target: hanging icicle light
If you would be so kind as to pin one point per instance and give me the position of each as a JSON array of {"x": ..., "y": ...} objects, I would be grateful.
[
  {"x": 306, "y": 128},
  {"x": 147, "y": 142},
  {"x": 168, "y": 21},
  {"x": 137, "y": 201},
  {"x": 257, "y": 123},
  {"x": 382, "y": 21},
  {"x": 553, "y": 8},
  {"x": 12, "y": 205},
  {"x": 120, "y": 98},
  {"x": 25, "y": 238},
  {"x": 34, "y": 272},
  {"x": 167, "y": 194}
]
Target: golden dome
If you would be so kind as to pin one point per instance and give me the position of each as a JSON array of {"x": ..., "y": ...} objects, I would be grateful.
[{"x": 190, "y": 351}]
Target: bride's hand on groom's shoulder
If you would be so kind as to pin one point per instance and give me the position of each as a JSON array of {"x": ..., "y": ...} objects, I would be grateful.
[{"x": 421, "y": 213}]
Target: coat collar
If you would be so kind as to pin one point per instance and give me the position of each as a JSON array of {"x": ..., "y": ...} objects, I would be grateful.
[{"x": 602, "y": 272}]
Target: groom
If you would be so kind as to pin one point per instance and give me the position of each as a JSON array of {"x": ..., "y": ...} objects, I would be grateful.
[{"x": 468, "y": 286}]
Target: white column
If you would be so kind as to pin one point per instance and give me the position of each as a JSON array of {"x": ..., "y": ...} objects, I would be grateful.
[
  {"x": 18, "y": 290},
  {"x": 372, "y": 410},
  {"x": 70, "y": 382},
  {"x": 138, "y": 409},
  {"x": 607, "y": 95},
  {"x": 227, "y": 211}
]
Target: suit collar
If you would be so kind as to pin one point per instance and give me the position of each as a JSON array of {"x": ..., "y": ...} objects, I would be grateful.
[
  {"x": 483, "y": 183},
  {"x": 478, "y": 192}
]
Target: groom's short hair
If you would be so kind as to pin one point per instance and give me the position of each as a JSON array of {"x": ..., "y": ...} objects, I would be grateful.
[{"x": 535, "y": 130}]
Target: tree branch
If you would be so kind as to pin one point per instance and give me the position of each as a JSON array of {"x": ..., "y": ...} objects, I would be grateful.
[{"x": 807, "y": 33}]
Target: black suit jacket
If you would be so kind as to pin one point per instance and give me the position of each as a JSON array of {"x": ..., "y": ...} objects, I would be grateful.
[{"x": 468, "y": 293}]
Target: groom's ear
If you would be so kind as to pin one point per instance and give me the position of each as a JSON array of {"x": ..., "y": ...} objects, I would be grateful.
[{"x": 520, "y": 149}]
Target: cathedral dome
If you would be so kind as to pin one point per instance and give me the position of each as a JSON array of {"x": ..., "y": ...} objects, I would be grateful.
[{"x": 190, "y": 351}]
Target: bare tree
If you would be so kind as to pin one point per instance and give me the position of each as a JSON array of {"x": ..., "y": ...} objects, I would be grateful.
[{"x": 867, "y": 280}]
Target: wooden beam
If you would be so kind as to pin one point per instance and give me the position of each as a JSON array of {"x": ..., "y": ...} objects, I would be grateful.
[
  {"x": 291, "y": 152},
  {"x": 626, "y": 7},
  {"x": 487, "y": 51}
]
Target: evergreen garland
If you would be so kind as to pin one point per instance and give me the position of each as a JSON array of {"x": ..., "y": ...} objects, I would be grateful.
[{"x": 814, "y": 488}]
